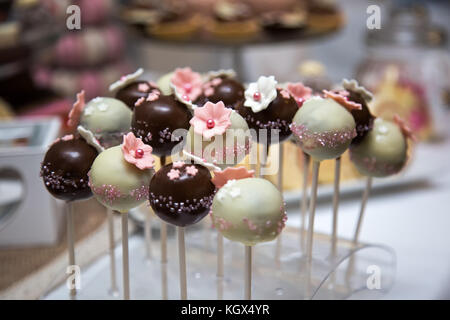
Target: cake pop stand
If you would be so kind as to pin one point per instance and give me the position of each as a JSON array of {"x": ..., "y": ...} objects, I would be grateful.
[{"x": 362, "y": 271}]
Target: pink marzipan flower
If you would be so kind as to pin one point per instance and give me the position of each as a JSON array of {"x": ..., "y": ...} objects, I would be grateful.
[
  {"x": 222, "y": 177},
  {"x": 77, "y": 109},
  {"x": 187, "y": 82},
  {"x": 178, "y": 164},
  {"x": 173, "y": 174},
  {"x": 191, "y": 170},
  {"x": 213, "y": 119},
  {"x": 341, "y": 97},
  {"x": 299, "y": 92},
  {"x": 136, "y": 152}
]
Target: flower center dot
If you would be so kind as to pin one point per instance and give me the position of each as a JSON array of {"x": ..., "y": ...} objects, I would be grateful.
[
  {"x": 257, "y": 96},
  {"x": 185, "y": 97},
  {"x": 210, "y": 124},
  {"x": 188, "y": 87},
  {"x": 300, "y": 101},
  {"x": 139, "y": 153}
]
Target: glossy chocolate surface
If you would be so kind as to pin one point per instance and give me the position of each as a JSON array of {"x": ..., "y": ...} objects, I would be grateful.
[
  {"x": 277, "y": 116},
  {"x": 229, "y": 91},
  {"x": 363, "y": 118},
  {"x": 154, "y": 122},
  {"x": 131, "y": 93},
  {"x": 65, "y": 169},
  {"x": 184, "y": 200}
]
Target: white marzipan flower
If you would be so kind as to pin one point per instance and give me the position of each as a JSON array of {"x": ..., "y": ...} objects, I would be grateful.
[{"x": 260, "y": 94}]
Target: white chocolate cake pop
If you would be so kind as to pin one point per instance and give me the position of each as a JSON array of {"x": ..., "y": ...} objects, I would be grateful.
[
  {"x": 323, "y": 128},
  {"x": 120, "y": 176},
  {"x": 249, "y": 211},
  {"x": 383, "y": 151}
]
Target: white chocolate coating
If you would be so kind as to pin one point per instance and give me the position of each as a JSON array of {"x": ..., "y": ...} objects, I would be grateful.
[
  {"x": 382, "y": 152},
  {"x": 323, "y": 128},
  {"x": 249, "y": 211},
  {"x": 108, "y": 119},
  {"x": 117, "y": 184},
  {"x": 164, "y": 83}
]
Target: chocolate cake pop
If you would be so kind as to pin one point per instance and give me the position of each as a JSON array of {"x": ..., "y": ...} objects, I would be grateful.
[
  {"x": 107, "y": 118},
  {"x": 120, "y": 175},
  {"x": 155, "y": 117},
  {"x": 181, "y": 194},
  {"x": 383, "y": 151},
  {"x": 363, "y": 118},
  {"x": 221, "y": 86},
  {"x": 65, "y": 168},
  {"x": 268, "y": 107},
  {"x": 218, "y": 135},
  {"x": 323, "y": 128},
  {"x": 249, "y": 211}
]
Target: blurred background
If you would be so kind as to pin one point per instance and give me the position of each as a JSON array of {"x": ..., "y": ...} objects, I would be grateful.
[{"x": 47, "y": 56}]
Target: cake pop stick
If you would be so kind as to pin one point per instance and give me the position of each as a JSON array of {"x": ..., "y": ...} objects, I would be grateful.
[
  {"x": 279, "y": 243},
  {"x": 125, "y": 258},
  {"x": 148, "y": 234},
  {"x": 220, "y": 266},
  {"x": 71, "y": 243},
  {"x": 248, "y": 273},
  {"x": 163, "y": 243},
  {"x": 182, "y": 261},
  {"x": 362, "y": 209},
  {"x": 112, "y": 254},
  {"x": 337, "y": 176},
  {"x": 304, "y": 201}
]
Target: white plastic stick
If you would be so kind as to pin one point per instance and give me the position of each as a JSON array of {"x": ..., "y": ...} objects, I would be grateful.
[
  {"x": 148, "y": 233},
  {"x": 248, "y": 272},
  {"x": 310, "y": 238},
  {"x": 279, "y": 243},
  {"x": 182, "y": 260},
  {"x": 304, "y": 201},
  {"x": 220, "y": 267},
  {"x": 126, "y": 271},
  {"x": 362, "y": 210},
  {"x": 164, "y": 287},
  {"x": 112, "y": 254},
  {"x": 337, "y": 177},
  {"x": 71, "y": 244}
]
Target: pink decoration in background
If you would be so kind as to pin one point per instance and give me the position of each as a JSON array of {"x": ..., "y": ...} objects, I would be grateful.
[
  {"x": 211, "y": 119},
  {"x": 67, "y": 137},
  {"x": 222, "y": 177},
  {"x": 187, "y": 83},
  {"x": 191, "y": 170},
  {"x": 136, "y": 152},
  {"x": 178, "y": 164},
  {"x": 173, "y": 174},
  {"x": 341, "y": 97},
  {"x": 406, "y": 130},
  {"x": 77, "y": 109},
  {"x": 300, "y": 92}
]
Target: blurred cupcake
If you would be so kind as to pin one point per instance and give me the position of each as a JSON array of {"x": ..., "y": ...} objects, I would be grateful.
[
  {"x": 324, "y": 15},
  {"x": 140, "y": 13},
  {"x": 174, "y": 23},
  {"x": 284, "y": 21},
  {"x": 232, "y": 20}
]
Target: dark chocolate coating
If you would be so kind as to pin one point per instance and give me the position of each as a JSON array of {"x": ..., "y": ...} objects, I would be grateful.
[
  {"x": 229, "y": 91},
  {"x": 65, "y": 169},
  {"x": 277, "y": 116},
  {"x": 130, "y": 93},
  {"x": 182, "y": 201},
  {"x": 363, "y": 118},
  {"x": 154, "y": 122}
]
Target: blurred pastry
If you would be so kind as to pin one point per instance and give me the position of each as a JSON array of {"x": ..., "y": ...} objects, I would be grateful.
[{"x": 232, "y": 21}]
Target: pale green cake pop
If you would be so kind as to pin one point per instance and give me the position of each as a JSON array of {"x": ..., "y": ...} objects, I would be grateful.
[{"x": 249, "y": 211}]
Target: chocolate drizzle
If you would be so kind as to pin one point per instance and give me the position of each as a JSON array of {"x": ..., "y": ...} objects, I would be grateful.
[
  {"x": 184, "y": 200},
  {"x": 154, "y": 122},
  {"x": 65, "y": 169}
]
